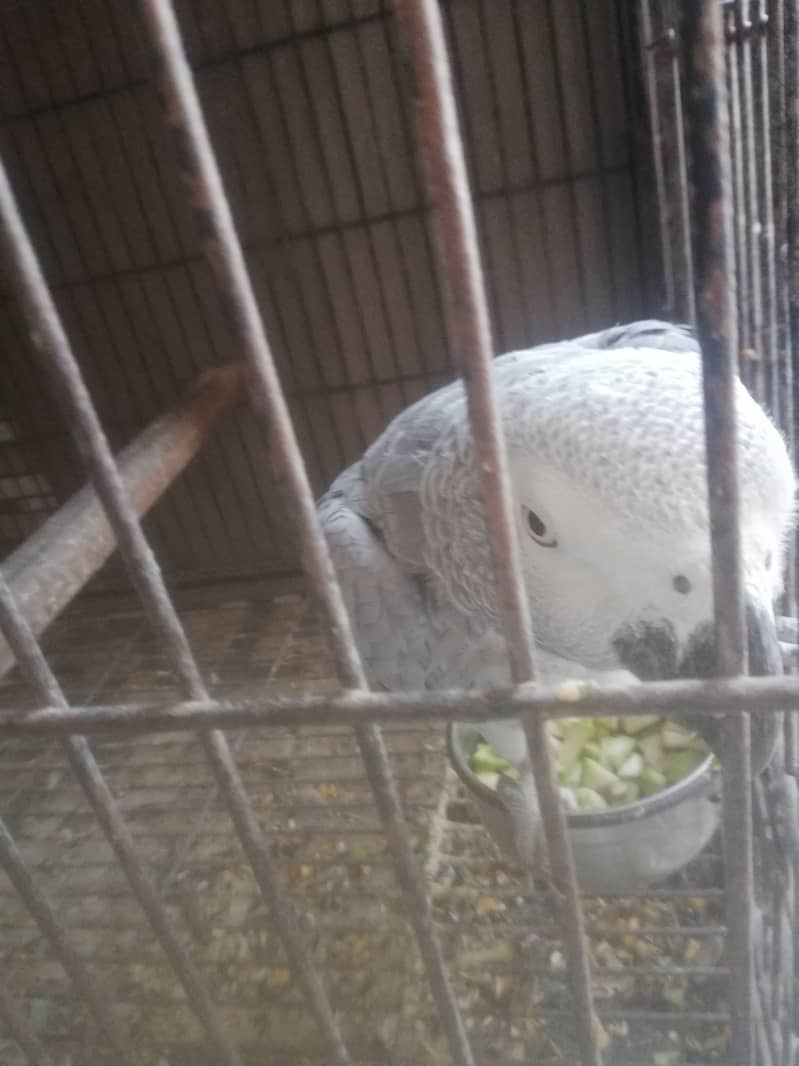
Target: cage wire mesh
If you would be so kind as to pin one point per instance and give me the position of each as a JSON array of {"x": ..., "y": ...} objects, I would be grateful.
[{"x": 175, "y": 944}]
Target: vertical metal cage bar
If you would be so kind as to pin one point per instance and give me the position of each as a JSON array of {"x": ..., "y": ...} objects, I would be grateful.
[
  {"x": 783, "y": 340},
  {"x": 471, "y": 330},
  {"x": 649, "y": 50},
  {"x": 738, "y": 178},
  {"x": 43, "y": 914},
  {"x": 201, "y": 174},
  {"x": 781, "y": 59},
  {"x": 21, "y": 1031},
  {"x": 703, "y": 41},
  {"x": 750, "y": 209},
  {"x": 771, "y": 354},
  {"x": 789, "y": 126},
  {"x": 35, "y": 667},
  {"x": 686, "y": 244},
  {"x": 51, "y": 341}
]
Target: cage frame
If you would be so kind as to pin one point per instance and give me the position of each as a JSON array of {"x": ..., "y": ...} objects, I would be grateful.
[{"x": 727, "y": 696}]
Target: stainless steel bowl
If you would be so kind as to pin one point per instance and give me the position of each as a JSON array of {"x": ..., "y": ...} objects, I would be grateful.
[{"x": 617, "y": 850}]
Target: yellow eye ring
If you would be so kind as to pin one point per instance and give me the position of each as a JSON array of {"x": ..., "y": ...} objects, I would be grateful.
[{"x": 537, "y": 529}]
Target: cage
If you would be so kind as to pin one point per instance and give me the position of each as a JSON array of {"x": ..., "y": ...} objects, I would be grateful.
[{"x": 313, "y": 884}]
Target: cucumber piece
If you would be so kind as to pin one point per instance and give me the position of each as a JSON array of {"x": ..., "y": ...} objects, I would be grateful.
[
  {"x": 624, "y": 792},
  {"x": 588, "y": 799},
  {"x": 488, "y": 777},
  {"x": 597, "y": 776},
  {"x": 575, "y": 733},
  {"x": 633, "y": 767},
  {"x": 652, "y": 781},
  {"x": 616, "y": 750},
  {"x": 568, "y": 799},
  {"x": 675, "y": 735},
  {"x": 637, "y": 723},
  {"x": 592, "y": 750},
  {"x": 679, "y": 763},
  {"x": 652, "y": 749},
  {"x": 574, "y": 778},
  {"x": 484, "y": 758}
]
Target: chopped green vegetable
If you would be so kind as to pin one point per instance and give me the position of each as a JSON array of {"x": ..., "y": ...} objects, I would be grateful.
[
  {"x": 632, "y": 767},
  {"x": 615, "y": 750},
  {"x": 573, "y": 777},
  {"x": 589, "y": 800},
  {"x": 485, "y": 758},
  {"x": 624, "y": 792},
  {"x": 607, "y": 725},
  {"x": 568, "y": 799},
  {"x": 680, "y": 763},
  {"x": 651, "y": 747},
  {"x": 592, "y": 750},
  {"x": 605, "y": 762},
  {"x": 637, "y": 723},
  {"x": 597, "y": 776},
  {"x": 574, "y": 735},
  {"x": 490, "y": 778},
  {"x": 676, "y": 736},
  {"x": 652, "y": 781}
]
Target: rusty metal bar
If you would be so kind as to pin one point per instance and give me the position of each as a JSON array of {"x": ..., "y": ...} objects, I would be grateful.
[
  {"x": 675, "y": 699},
  {"x": 21, "y": 1031},
  {"x": 34, "y": 666},
  {"x": 223, "y": 249},
  {"x": 739, "y": 181},
  {"x": 43, "y": 914},
  {"x": 750, "y": 209},
  {"x": 649, "y": 48},
  {"x": 703, "y": 39},
  {"x": 682, "y": 188},
  {"x": 782, "y": 341},
  {"x": 53, "y": 564},
  {"x": 782, "y": 68},
  {"x": 51, "y": 342},
  {"x": 789, "y": 127},
  {"x": 459, "y": 262},
  {"x": 767, "y": 235}
]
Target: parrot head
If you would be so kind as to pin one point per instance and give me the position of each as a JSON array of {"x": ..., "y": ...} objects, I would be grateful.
[
  {"x": 608, "y": 470},
  {"x": 608, "y": 473}
]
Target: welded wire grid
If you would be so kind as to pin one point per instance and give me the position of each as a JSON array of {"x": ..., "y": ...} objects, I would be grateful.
[{"x": 770, "y": 1039}]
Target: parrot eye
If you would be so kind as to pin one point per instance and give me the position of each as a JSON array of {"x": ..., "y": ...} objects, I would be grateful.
[{"x": 537, "y": 529}]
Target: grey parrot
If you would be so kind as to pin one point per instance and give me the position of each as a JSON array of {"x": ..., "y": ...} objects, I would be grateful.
[{"x": 606, "y": 451}]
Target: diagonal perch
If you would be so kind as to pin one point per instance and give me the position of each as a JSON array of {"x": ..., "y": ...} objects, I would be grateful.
[{"x": 48, "y": 570}]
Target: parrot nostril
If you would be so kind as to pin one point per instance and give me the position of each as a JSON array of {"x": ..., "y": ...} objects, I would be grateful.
[{"x": 681, "y": 584}]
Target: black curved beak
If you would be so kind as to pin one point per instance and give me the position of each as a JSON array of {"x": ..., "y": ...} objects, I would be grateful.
[
  {"x": 765, "y": 658},
  {"x": 649, "y": 649}
]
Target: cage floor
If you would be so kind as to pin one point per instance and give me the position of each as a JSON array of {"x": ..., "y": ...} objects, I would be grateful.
[{"x": 658, "y": 961}]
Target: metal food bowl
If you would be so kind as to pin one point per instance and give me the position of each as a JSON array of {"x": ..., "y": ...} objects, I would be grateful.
[{"x": 618, "y": 849}]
